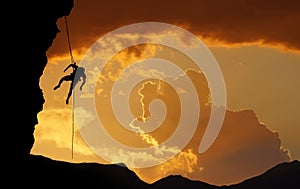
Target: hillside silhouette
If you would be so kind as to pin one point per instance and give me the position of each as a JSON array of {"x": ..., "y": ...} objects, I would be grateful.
[
  {"x": 283, "y": 175},
  {"x": 58, "y": 173},
  {"x": 20, "y": 168}
]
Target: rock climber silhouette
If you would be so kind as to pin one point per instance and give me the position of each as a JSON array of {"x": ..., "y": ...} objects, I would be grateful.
[{"x": 75, "y": 76}]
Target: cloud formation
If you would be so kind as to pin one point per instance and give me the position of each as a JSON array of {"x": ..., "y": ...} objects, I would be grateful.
[
  {"x": 231, "y": 22},
  {"x": 244, "y": 147}
]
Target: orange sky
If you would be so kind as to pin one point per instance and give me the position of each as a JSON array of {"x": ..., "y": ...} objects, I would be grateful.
[{"x": 256, "y": 45}]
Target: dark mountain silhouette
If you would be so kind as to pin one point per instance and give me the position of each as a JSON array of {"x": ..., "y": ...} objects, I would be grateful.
[
  {"x": 284, "y": 175},
  {"x": 58, "y": 173},
  {"x": 31, "y": 31},
  {"x": 177, "y": 181}
]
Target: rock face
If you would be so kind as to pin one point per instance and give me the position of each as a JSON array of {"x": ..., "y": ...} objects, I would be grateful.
[
  {"x": 32, "y": 31},
  {"x": 29, "y": 33}
]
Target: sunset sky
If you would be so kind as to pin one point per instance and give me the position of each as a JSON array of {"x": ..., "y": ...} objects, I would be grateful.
[{"x": 257, "y": 47}]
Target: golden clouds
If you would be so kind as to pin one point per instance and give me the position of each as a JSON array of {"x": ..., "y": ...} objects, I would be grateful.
[
  {"x": 243, "y": 148},
  {"x": 183, "y": 163},
  {"x": 53, "y": 137},
  {"x": 235, "y": 151},
  {"x": 230, "y": 22}
]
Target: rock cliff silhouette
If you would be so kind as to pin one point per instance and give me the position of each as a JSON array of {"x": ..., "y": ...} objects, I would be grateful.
[{"x": 30, "y": 31}]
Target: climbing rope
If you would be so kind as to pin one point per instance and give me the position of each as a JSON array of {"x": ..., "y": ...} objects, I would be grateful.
[
  {"x": 69, "y": 43},
  {"x": 72, "y": 61}
]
